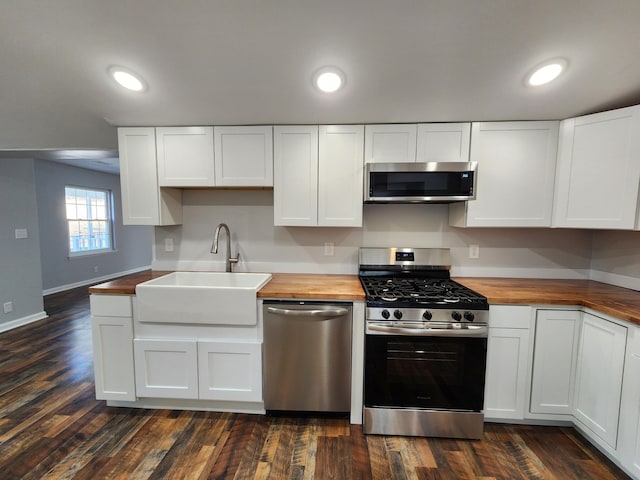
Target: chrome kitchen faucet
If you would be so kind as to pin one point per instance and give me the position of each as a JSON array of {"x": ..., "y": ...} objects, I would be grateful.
[{"x": 214, "y": 247}]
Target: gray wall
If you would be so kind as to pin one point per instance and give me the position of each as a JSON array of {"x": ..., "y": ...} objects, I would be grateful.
[
  {"x": 20, "y": 270},
  {"x": 616, "y": 257},
  {"x": 133, "y": 243},
  {"x": 554, "y": 253}
]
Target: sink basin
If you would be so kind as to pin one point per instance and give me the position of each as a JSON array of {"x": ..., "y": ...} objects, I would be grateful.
[{"x": 213, "y": 298}]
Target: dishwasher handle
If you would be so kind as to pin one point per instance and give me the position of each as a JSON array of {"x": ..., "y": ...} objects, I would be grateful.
[{"x": 317, "y": 313}]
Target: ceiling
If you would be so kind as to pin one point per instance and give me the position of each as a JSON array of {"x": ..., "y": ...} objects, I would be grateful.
[{"x": 223, "y": 62}]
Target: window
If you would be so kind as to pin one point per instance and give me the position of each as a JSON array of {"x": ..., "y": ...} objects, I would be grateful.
[{"x": 89, "y": 214}]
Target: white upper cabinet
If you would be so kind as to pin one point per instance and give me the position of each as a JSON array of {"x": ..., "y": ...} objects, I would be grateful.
[
  {"x": 340, "y": 175},
  {"x": 243, "y": 156},
  {"x": 143, "y": 202},
  {"x": 516, "y": 167},
  {"x": 185, "y": 156},
  {"x": 318, "y": 175},
  {"x": 443, "y": 142},
  {"x": 295, "y": 170},
  {"x": 599, "y": 171},
  {"x": 390, "y": 143}
]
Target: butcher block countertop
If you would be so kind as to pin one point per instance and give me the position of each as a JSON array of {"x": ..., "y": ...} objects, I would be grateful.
[
  {"x": 296, "y": 285},
  {"x": 618, "y": 302}
]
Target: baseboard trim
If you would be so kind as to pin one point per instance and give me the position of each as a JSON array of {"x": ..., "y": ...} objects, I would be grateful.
[
  {"x": 19, "y": 322},
  {"x": 92, "y": 281}
]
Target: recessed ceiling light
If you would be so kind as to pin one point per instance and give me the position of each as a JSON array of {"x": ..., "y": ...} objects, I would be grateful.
[
  {"x": 546, "y": 72},
  {"x": 329, "y": 79},
  {"x": 128, "y": 79}
]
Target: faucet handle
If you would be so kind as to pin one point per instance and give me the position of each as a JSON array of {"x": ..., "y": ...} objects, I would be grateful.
[{"x": 236, "y": 259}]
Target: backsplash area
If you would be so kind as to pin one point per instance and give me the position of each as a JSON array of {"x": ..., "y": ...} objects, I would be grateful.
[{"x": 553, "y": 253}]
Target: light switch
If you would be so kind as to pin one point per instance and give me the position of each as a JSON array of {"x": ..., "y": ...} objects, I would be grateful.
[{"x": 21, "y": 233}]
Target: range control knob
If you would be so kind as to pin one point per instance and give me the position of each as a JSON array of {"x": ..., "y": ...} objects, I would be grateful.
[
  {"x": 456, "y": 316},
  {"x": 397, "y": 314},
  {"x": 385, "y": 314},
  {"x": 427, "y": 315},
  {"x": 469, "y": 316}
]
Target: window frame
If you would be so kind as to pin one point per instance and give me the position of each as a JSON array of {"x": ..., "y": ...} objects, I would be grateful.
[{"x": 110, "y": 228}]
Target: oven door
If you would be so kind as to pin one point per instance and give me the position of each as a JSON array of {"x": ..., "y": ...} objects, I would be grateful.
[{"x": 423, "y": 371}]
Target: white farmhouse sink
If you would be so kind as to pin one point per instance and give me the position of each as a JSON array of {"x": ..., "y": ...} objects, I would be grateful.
[{"x": 213, "y": 298}]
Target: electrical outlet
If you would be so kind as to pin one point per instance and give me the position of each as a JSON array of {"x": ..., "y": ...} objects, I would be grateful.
[
  {"x": 8, "y": 307},
  {"x": 474, "y": 251},
  {"x": 168, "y": 244},
  {"x": 328, "y": 249},
  {"x": 95, "y": 269}
]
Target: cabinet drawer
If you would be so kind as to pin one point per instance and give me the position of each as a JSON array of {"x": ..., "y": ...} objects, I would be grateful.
[
  {"x": 510, "y": 316},
  {"x": 110, "y": 305}
]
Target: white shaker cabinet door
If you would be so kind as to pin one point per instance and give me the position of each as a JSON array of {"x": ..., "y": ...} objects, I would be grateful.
[
  {"x": 443, "y": 142},
  {"x": 554, "y": 361},
  {"x": 113, "y": 358},
  {"x": 629, "y": 436},
  {"x": 599, "y": 376},
  {"x": 340, "y": 175},
  {"x": 390, "y": 143},
  {"x": 243, "y": 156},
  {"x": 143, "y": 202},
  {"x": 599, "y": 170},
  {"x": 166, "y": 368},
  {"x": 295, "y": 183},
  {"x": 185, "y": 156},
  {"x": 515, "y": 177},
  {"x": 230, "y": 371},
  {"x": 507, "y": 361}
]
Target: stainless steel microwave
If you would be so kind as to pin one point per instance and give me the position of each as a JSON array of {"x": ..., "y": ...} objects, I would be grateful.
[{"x": 432, "y": 182}]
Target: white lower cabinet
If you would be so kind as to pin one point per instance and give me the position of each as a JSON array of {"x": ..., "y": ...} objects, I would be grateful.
[
  {"x": 599, "y": 376},
  {"x": 230, "y": 371},
  {"x": 112, "y": 335},
  {"x": 629, "y": 425},
  {"x": 166, "y": 368},
  {"x": 554, "y": 361},
  {"x": 199, "y": 369},
  {"x": 507, "y": 362}
]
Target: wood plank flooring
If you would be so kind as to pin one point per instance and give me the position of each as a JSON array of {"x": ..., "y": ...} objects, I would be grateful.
[{"x": 51, "y": 427}]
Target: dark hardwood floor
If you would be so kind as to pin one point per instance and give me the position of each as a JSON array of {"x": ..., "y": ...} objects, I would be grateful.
[{"x": 51, "y": 426}]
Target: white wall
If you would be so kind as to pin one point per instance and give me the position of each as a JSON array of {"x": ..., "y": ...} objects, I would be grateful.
[
  {"x": 20, "y": 270},
  {"x": 59, "y": 271},
  {"x": 263, "y": 247},
  {"x": 616, "y": 258}
]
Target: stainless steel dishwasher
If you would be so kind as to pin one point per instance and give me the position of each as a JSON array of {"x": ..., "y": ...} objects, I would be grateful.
[{"x": 307, "y": 356}]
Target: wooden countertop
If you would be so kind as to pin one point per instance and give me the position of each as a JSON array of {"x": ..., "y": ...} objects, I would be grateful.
[
  {"x": 281, "y": 285},
  {"x": 618, "y": 302},
  {"x": 622, "y": 303},
  {"x": 296, "y": 285},
  {"x": 126, "y": 285}
]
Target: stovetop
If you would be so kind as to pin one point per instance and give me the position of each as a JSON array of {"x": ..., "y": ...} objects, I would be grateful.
[
  {"x": 414, "y": 278},
  {"x": 420, "y": 292}
]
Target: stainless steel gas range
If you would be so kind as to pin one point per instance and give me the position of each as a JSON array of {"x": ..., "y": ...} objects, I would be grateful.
[{"x": 425, "y": 346}]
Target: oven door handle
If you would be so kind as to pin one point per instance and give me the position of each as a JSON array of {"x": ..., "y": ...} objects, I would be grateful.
[
  {"x": 322, "y": 313},
  {"x": 472, "y": 331}
]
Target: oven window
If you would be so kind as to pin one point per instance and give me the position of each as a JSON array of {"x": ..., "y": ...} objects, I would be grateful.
[{"x": 425, "y": 372}]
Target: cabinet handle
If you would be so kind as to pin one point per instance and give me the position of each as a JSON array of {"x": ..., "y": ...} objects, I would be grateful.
[{"x": 322, "y": 313}]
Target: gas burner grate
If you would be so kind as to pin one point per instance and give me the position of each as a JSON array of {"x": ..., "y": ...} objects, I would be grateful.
[{"x": 419, "y": 291}]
